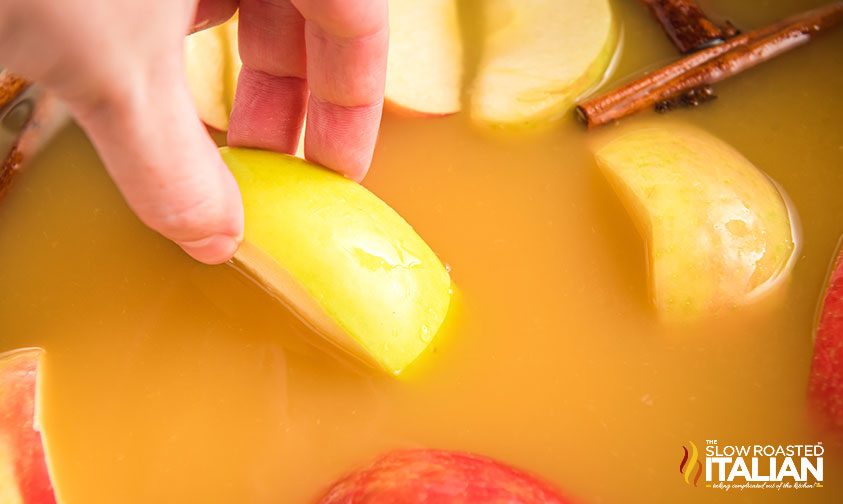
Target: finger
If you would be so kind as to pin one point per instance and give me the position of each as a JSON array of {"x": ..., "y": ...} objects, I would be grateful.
[
  {"x": 271, "y": 95},
  {"x": 211, "y": 13},
  {"x": 164, "y": 163},
  {"x": 346, "y": 67}
]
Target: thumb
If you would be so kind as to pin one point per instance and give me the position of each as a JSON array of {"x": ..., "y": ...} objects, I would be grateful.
[{"x": 159, "y": 154}]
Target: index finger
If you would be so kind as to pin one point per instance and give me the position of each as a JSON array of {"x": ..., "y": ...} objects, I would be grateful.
[{"x": 346, "y": 43}]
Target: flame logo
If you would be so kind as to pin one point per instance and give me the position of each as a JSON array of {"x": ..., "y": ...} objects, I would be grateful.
[{"x": 690, "y": 463}]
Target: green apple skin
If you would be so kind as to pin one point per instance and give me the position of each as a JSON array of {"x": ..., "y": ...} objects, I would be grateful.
[
  {"x": 539, "y": 57},
  {"x": 345, "y": 261},
  {"x": 719, "y": 232}
]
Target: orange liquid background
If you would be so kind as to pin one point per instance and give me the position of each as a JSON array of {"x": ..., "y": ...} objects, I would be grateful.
[{"x": 169, "y": 381}]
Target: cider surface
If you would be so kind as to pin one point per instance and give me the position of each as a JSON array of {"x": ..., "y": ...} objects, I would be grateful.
[{"x": 168, "y": 381}]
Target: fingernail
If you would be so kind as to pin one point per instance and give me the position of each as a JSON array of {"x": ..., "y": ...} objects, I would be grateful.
[{"x": 215, "y": 249}]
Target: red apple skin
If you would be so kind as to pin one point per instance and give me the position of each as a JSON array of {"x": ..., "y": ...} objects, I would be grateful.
[
  {"x": 825, "y": 389},
  {"x": 18, "y": 372},
  {"x": 436, "y": 476}
]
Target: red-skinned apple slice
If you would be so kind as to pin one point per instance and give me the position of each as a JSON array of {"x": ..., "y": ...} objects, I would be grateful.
[
  {"x": 24, "y": 476},
  {"x": 825, "y": 389},
  {"x": 440, "y": 477},
  {"x": 424, "y": 69}
]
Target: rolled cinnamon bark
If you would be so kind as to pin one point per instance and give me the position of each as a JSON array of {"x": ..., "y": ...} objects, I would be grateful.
[
  {"x": 709, "y": 65},
  {"x": 28, "y": 119},
  {"x": 686, "y": 24}
]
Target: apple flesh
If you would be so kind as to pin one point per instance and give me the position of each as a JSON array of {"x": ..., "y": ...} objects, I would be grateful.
[
  {"x": 539, "y": 56},
  {"x": 209, "y": 67},
  {"x": 825, "y": 389},
  {"x": 24, "y": 476},
  {"x": 718, "y": 231},
  {"x": 436, "y": 476},
  {"x": 340, "y": 257},
  {"x": 425, "y": 64}
]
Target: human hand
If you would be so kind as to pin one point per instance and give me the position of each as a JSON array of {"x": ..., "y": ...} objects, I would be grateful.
[{"x": 118, "y": 64}]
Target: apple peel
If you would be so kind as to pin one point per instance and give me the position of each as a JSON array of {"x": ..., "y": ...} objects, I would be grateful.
[
  {"x": 341, "y": 258},
  {"x": 24, "y": 472},
  {"x": 440, "y": 477},
  {"x": 825, "y": 388}
]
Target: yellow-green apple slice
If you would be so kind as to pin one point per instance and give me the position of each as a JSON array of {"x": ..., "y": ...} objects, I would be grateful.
[
  {"x": 206, "y": 55},
  {"x": 24, "y": 476},
  {"x": 718, "y": 231},
  {"x": 440, "y": 477},
  {"x": 425, "y": 64},
  {"x": 340, "y": 257},
  {"x": 539, "y": 56},
  {"x": 825, "y": 389}
]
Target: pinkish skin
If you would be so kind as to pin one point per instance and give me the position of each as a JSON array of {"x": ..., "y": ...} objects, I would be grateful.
[
  {"x": 437, "y": 476},
  {"x": 18, "y": 370},
  {"x": 825, "y": 389}
]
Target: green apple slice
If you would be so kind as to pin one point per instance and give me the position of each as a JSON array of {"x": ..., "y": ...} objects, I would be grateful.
[
  {"x": 719, "y": 233},
  {"x": 539, "y": 56},
  {"x": 341, "y": 258}
]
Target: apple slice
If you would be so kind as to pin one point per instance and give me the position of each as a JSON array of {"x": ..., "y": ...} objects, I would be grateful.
[
  {"x": 24, "y": 477},
  {"x": 825, "y": 389},
  {"x": 425, "y": 64},
  {"x": 440, "y": 477},
  {"x": 206, "y": 62},
  {"x": 539, "y": 56},
  {"x": 340, "y": 257},
  {"x": 718, "y": 231}
]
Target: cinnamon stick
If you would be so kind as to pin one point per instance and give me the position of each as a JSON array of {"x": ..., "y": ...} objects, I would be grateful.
[
  {"x": 28, "y": 119},
  {"x": 686, "y": 24},
  {"x": 11, "y": 85},
  {"x": 710, "y": 65}
]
